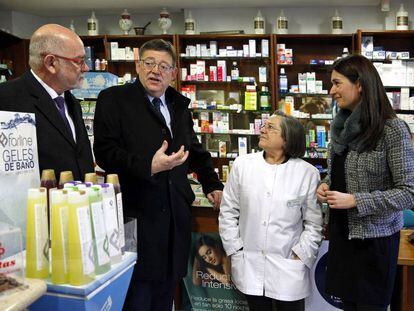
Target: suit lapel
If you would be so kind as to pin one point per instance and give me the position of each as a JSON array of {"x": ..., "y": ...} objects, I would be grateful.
[{"x": 44, "y": 103}]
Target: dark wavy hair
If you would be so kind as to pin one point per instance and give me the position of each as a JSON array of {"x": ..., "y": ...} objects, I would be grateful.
[
  {"x": 210, "y": 242},
  {"x": 375, "y": 106}
]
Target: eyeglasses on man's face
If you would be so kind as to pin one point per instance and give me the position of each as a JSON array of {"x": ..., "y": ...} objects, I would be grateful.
[
  {"x": 80, "y": 61},
  {"x": 150, "y": 64},
  {"x": 269, "y": 127}
]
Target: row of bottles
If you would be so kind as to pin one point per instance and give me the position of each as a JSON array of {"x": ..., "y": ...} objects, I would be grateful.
[{"x": 86, "y": 228}]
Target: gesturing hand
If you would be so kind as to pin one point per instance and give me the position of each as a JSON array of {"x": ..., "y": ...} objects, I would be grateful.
[{"x": 163, "y": 162}]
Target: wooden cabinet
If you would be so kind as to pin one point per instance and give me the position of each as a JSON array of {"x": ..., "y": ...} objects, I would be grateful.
[
  {"x": 215, "y": 71},
  {"x": 14, "y": 55},
  {"x": 306, "y": 61},
  {"x": 392, "y": 53}
]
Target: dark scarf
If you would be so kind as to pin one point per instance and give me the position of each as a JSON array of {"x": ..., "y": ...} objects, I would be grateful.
[{"x": 345, "y": 129}]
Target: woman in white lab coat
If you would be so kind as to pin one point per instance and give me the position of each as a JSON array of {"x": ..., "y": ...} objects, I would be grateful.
[{"x": 270, "y": 222}]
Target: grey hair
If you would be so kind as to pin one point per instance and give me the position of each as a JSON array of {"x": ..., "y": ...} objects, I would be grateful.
[
  {"x": 293, "y": 134},
  {"x": 41, "y": 45},
  {"x": 159, "y": 45}
]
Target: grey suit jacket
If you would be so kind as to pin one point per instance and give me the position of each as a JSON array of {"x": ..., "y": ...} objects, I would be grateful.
[{"x": 382, "y": 182}]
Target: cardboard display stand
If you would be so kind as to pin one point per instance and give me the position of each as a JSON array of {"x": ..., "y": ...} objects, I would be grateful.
[{"x": 106, "y": 292}]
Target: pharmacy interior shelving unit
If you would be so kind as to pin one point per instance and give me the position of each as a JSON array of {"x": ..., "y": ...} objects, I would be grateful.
[
  {"x": 224, "y": 121},
  {"x": 14, "y": 55},
  {"x": 100, "y": 47},
  {"x": 392, "y": 53},
  {"x": 306, "y": 60}
]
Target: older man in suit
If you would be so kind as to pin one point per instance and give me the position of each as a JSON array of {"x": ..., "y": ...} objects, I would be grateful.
[
  {"x": 144, "y": 132},
  {"x": 57, "y": 61}
]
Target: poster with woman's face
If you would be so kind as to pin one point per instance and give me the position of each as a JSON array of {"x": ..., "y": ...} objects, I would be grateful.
[{"x": 208, "y": 282}]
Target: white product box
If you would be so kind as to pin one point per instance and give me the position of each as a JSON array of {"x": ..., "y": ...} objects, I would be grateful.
[
  {"x": 183, "y": 74},
  {"x": 198, "y": 50},
  {"x": 409, "y": 73},
  {"x": 263, "y": 74},
  {"x": 246, "y": 50},
  {"x": 310, "y": 82},
  {"x": 367, "y": 44},
  {"x": 252, "y": 48},
  {"x": 242, "y": 145},
  {"x": 121, "y": 53},
  {"x": 390, "y": 55},
  {"x": 403, "y": 55},
  {"x": 265, "y": 48},
  {"x": 201, "y": 69},
  {"x": 193, "y": 72},
  {"x": 114, "y": 50},
  {"x": 213, "y": 73},
  {"x": 221, "y": 70},
  {"x": 405, "y": 98},
  {"x": 302, "y": 82},
  {"x": 318, "y": 87},
  {"x": 213, "y": 48},
  {"x": 378, "y": 55},
  {"x": 204, "y": 51}
]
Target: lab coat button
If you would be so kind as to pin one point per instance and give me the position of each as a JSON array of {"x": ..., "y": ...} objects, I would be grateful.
[
  {"x": 268, "y": 194},
  {"x": 263, "y": 252},
  {"x": 264, "y": 223}
]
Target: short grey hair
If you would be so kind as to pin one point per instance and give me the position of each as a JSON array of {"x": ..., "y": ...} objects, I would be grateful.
[
  {"x": 293, "y": 133},
  {"x": 43, "y": 44},
  {"x": 159, "y": 45}
]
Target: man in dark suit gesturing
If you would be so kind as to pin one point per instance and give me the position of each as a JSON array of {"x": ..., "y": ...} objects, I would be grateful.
[
  {"x": 57, "y": 61},
  {"x": 144, "y": 132}
]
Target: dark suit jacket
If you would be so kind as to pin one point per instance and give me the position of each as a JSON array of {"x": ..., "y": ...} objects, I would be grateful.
[
  {"x": 56, "y": 147},
  {"x": 128, "y": 132}
]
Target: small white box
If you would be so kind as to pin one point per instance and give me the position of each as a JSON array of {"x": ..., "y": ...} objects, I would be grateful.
[
  {"x": 252, "y": 48},
  {"x": 183, "y": 74},
  {"x": 114, "y": 50},
  {"x": 405, "y": 98},
  {"x": 213, "y": 48},
  {"x": 242, "y": 145},
  {"x": 263, "y": 74},
  {"x": 201, "y": 69},
  {"x": 193, "y": 72},
  {"x": 265, "y": 48},
  {"x": 198, "y": 50},
  {"x": 245, "y": 50},
  {"x": 302, "y": 82},
  {"x": 121, "y": 54}
]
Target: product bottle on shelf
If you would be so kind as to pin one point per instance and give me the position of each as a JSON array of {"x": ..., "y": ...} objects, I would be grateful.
[
  {"x": 111, "y": 222},
  {"x": 283, "y": 81},
  {"x": 81, "y": 256},
  {"x": 264, "y": 99},
  {"x": 114, "y": 180},
  {"x": 91, "y": 177},
  {"x": 37, "y": 241},
  {"x": 100, "y": 239},
  {"x": 250, "y": 98},
  {"x": 65, "y": 177},
  {"x": 93, "y": 25},
  {"x": 234, "y": 72},
  {"x": 59, "y": 232},
  {"x": 48, "y": 179}
]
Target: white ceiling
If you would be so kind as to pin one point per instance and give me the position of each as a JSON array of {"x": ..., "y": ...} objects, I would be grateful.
[{"x": 50, "y": 8}]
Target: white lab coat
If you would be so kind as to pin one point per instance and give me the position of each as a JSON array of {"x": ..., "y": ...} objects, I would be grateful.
[{"x": 271, "y": 211}]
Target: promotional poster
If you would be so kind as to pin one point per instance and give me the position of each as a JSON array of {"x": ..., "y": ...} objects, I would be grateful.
[
  {"x": 19, "y": 165},
  {"x": 208, "y": 281}
]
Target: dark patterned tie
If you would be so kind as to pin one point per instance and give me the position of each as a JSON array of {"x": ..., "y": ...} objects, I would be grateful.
[
  {"x": 60, "y": 102},
  {"x": 157, "y": 105}
]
